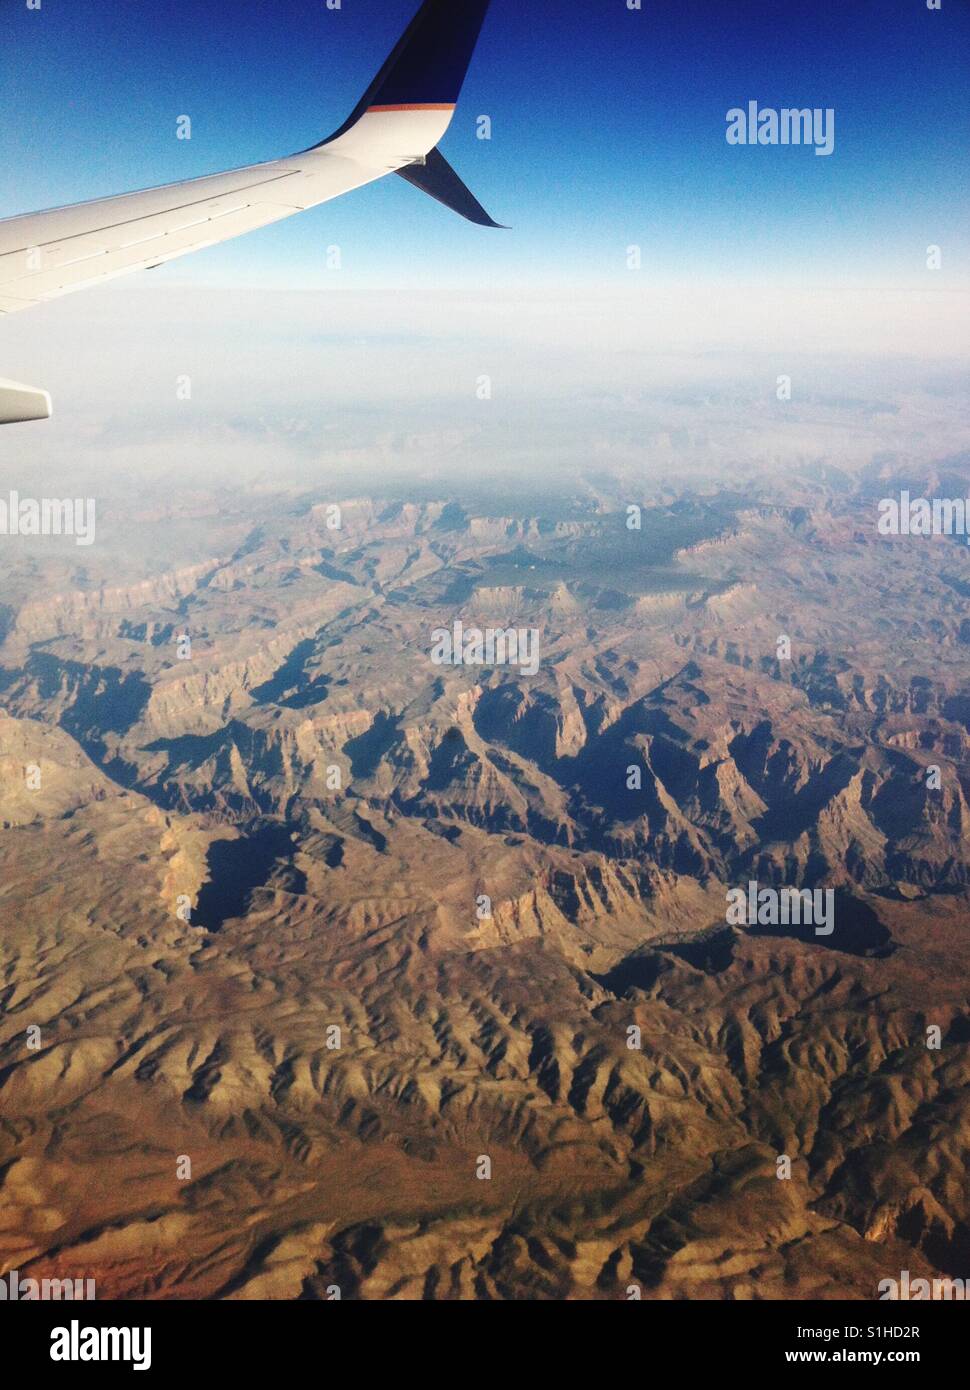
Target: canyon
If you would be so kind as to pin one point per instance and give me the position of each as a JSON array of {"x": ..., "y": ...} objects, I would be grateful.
[{"x": 330, "y": 970}]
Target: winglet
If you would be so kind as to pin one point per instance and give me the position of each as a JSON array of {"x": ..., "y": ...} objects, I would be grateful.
[
  {"x": 427, "y": 67},
  {"x": 437, "y": 178}
]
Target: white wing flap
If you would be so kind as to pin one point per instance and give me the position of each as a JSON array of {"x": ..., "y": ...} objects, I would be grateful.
[
  {"x": 51, "y": 253},
  {"x": 75, "y": 266}
]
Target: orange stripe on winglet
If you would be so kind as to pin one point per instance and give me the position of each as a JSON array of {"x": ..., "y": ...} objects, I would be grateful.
[{"x": 418, "y": 106}]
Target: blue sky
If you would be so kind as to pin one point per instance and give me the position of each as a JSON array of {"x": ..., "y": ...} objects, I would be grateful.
[{"x": 608, "y": 129}]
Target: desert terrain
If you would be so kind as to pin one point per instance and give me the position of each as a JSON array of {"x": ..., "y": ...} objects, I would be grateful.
[{"x": 327, "y": 969}]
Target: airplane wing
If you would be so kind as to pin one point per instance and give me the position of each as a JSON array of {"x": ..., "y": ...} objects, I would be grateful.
[{"x": 394, "y": 128}]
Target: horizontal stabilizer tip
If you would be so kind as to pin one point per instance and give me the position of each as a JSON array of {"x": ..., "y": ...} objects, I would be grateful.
[
  {"x": 19, "y": 403},
  {"x": 437, "y": 178}
]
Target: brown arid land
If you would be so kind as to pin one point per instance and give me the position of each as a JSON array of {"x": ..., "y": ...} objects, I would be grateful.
[{"x": 320, "y": 960}]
